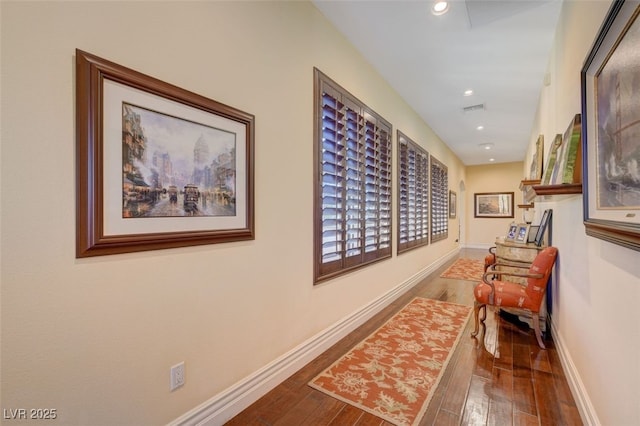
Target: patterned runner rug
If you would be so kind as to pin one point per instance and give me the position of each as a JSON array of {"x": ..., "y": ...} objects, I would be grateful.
[
  {"x": 465, "y": 269},
  {"x": 394, "y": 372}
]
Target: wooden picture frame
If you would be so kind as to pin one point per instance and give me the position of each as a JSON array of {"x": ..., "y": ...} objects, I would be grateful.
[
  {"x": 493, "y": 204},
  {"x": 133, "y": 192},
  {"x": 453, "y": 204},
  {"x": 611, "y": 122}
]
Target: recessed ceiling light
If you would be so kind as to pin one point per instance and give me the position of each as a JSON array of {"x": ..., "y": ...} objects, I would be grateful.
[
  {"x": 492, "y": 159},
  {"x": 480, "y": 127},
  {"x": 486, "y": 146},
  {"x": 468, "y": 92},
  {"x": 440, "y": 7}
]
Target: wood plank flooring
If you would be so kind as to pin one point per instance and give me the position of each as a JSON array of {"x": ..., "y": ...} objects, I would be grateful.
[{"x": 501, "y": 379}]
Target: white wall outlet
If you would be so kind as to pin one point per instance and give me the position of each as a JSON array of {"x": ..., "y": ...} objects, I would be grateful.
[{"x": 177, "y": 376}]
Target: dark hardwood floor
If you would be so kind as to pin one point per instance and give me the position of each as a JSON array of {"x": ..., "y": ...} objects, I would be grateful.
[{"x": 503, "y": 379}]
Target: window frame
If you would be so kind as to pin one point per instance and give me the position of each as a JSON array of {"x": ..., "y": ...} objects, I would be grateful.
[
  {"x": 360, "y": 169},
  {"x": 413, "y": 161}
]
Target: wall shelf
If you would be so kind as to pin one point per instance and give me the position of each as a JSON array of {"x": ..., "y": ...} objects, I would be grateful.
[
  {"x": 526, "y": 186},
  {"x": 557, "y": 191}
]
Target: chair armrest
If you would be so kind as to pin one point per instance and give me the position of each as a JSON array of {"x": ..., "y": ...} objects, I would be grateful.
[{"x": 493, "y": 272}]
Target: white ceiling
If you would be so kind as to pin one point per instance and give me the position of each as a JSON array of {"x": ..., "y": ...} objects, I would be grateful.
[{"x": 498, "y": 48}]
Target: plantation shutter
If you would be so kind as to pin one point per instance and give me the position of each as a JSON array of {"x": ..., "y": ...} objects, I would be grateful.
[
  {"x": 413, "y": 203},
  {"x": 353, "y": 213},
  {"x": 439, "y": 201}
]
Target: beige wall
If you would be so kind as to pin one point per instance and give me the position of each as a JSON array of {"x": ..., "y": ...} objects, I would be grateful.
[
  {"x": 95, "y": 338},
  {"x": 597, "y": 284},
  {"x": 505, "y": 177}
]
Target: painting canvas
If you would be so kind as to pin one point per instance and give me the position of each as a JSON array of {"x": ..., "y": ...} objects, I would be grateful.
[
  {"x": 175, "y": 167},
  {"x": 618, "y": 125}
]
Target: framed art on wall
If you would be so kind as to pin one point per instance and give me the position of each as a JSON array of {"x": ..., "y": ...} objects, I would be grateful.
[
  {"x": 157, "y": 166},
  {"x": 453, "y": 203},
  {"x": 493, "y": 204},
  {"x": 610, "y": 80}
]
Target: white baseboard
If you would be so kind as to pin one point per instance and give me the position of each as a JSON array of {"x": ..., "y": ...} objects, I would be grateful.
[
  {"x": 484, "y": 246},
  {"x": 224, "y": 406},
  {"x": 587, "y": 412}
]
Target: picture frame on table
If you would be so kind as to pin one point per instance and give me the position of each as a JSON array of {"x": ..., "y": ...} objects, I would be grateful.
[
  {"x": 157, "y": 166},
  {"x": 610, "y": 82},
  {"x": 493, "y": 204},
  {"x": 522, "y": 233},
  {"x": 542, "y": 227},
  {"x": 511, "y": 233}
]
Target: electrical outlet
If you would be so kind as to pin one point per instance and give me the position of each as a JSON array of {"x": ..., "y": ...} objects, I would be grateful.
[{"x": 177, "y": 376}]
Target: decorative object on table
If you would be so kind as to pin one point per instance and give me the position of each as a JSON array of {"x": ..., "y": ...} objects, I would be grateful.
[
  {"x": 551, "y": 161},
  {"x": 394, "y": 372},
  {"x": 544, "y": 222},
  {"x": 535, "y": 170},
  {"x": 158, "y": 166},
  {"x": 465, "y": 269},
  {"x": 511, "y": 232},
  {"x": 568, "y": 166},
  {"x": 522, "y": 233},
  {"x": 493, "y": 204},
  {"x": 508, "y": 294},
  {"x": 533, "y": 231},
  {"x": 453, "y": 204},
  {"x": 611, "y": 129}
]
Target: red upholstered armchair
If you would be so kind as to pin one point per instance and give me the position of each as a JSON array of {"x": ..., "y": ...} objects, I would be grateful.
[{"x": 493, "y": 291}]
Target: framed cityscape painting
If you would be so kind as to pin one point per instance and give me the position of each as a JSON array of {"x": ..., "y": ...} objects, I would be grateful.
[{"x": 157, "y": 166}]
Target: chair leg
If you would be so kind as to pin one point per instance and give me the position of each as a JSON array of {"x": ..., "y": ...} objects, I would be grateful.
[
  {"x": 536, "y": 328},
  {"x": 476, "y": 312}
]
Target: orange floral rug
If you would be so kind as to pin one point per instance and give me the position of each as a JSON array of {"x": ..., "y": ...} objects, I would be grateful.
[
  {"x": 394, "y": 372},
  {"x": 465, "y": 269}
]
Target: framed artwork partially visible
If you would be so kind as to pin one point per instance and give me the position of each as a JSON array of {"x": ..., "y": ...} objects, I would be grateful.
[
  {"x": 542, "y": 228},
  {"x": 551, "y": 161},
  {"x": 453, "y": 203},
  {"x": 610, "y": 80},
  {"x": 157, "y": 166},
  {"x": 535, "y": 172},
  {"x": 493, "y": 204}
]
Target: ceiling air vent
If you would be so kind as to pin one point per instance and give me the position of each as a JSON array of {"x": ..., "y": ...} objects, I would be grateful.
[{"x": 472, "y": 108}]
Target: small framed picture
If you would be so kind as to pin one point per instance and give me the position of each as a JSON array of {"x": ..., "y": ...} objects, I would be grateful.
[
  {"x": 511, "y": 234},
  {"x": 533, "y": 232},
  {"x": 544, "y": 222},
  {"x": 522, "y": 234}
]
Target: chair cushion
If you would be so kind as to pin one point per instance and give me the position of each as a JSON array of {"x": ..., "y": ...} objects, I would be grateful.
[{"x": 507, "y": 294}]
